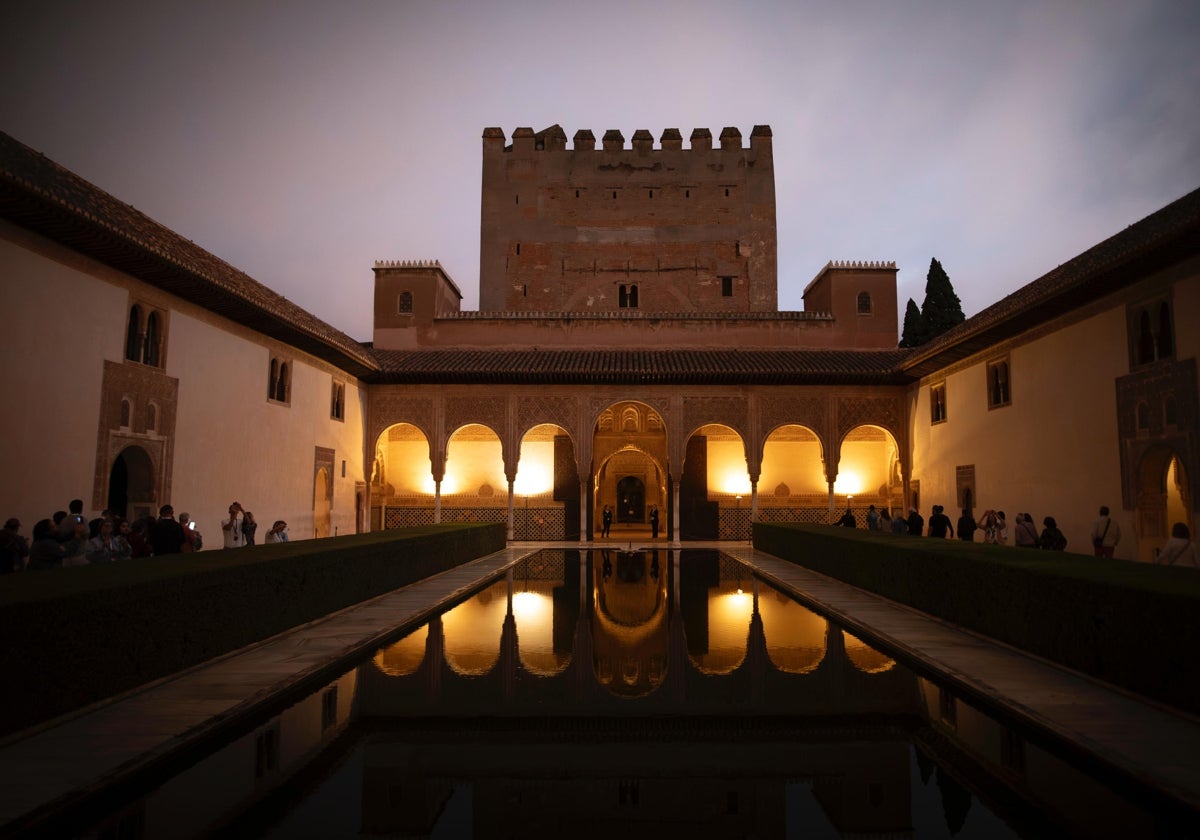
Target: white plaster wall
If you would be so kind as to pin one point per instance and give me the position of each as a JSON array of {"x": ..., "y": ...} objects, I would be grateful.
[
  {"x": 1053, "y": 451},
  {"x": 60, "y": 325},
  {"x": 70, "y": 315},
  {"x": 232, "y": 443}
]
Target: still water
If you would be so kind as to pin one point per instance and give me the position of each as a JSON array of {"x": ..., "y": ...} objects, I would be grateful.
[{"x": 591, "y": 694}]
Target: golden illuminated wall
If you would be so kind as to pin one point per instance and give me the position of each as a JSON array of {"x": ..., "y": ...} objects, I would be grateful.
[
  {"x": 474, "y": 462},
  {"x": 403, "y": 454},
  {"x": 866, "y": 454},
  {"x": 792, "y": 466}
]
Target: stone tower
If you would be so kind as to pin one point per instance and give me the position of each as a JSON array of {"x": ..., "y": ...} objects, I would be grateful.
[{"x": 640, "y": 229}]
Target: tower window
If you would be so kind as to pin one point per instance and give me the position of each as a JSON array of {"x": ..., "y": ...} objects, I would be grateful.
[
  {"x": 727, "y": 287},
  {"x": 518, "y": 249},
  {"x": 144, "y": 335},
  {"x": 864, "y": 303},
  {"x": 1151, "y": 332},
  {"x": 727, "y": 192},
  {"x": 404, "y": 304}
]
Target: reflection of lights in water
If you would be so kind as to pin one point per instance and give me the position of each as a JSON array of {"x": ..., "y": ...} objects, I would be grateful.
[
  {"x": 728, "y": 631},
  {"x": 534, "y": 615},
  {"x": 472, "y": 630},
  {"x": 532, "y": 608},
  {"x": 795, "y": 635},
  {"x": 404, "y": 657},
  {"x": 864, "y": 657}
]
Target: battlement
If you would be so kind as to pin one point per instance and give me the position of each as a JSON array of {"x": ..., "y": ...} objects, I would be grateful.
[
  {"x": 850, "y": 265},
  {"x": 407, "y": 264},
  {"x": 554, "y": 139}
]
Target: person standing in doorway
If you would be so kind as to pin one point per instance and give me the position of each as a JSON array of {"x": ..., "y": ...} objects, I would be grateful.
[
  {"x": 654, "y": 523},
  {"x": 605, "y": 521}
]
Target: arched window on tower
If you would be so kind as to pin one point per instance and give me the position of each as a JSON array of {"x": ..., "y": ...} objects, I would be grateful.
[
  {"x": 864, "y": 303},
  {"x": 153, "y": 339},
  {"x": 622, "y": 297},
  {"x": 1145, "y": 340},
  {"x": 405, "y": 304},
  {"x": 133, "y": 335},
  {"x": 1165, "y": 342},
  {"x": 125, "y": 412},
  {"x": 272, "y": 379},
  {"x": 633, "y": 297},
  {"x": 282, "y": 386},
  {"x": 151, "y": 417}
]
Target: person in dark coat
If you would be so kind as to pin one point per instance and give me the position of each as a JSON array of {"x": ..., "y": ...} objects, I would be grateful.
[
  {"x": 966, "y": 526},
  {"x": 916, "y": 522},
  {"x": 166, "y": 535}
]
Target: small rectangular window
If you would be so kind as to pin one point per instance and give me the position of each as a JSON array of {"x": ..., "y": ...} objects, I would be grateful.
[
  {"x": 937, "y": 403},
  {"x": 726, "y": 287}
]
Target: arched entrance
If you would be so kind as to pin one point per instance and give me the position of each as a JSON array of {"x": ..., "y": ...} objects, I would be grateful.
[
  {"x": 322, "y": 515},
  {"x": 629, "y": 448},
  {"x": 402, "y": 488},
  {"x": 868, "y": 474},
  {"x": 1162, "y": 499},
  {"x": 131, "y": 484},
  {"x": 792, "y": 486}
]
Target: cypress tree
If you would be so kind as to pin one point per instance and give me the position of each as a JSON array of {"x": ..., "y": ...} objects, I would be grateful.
[
  {"x": 914, "y": 326},
  {"x": 942, "y": 308}
]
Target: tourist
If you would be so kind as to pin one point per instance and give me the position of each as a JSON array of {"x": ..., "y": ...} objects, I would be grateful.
[
  {"x": 916, "y": 523},
  {"x": 232, "y": 527},
  {"x": 67, "y": 525},
  {"x": 278, "y": 532},
  {"x": 249, "y": 527},
  {"x": 872, "y": 519},
  {"x": 1105, "y": 534},
  {"x": 1179, "y": 550},
  {"x": 899, "y": 524},
  {"x": 1025, "y": 534},
  {"x": 166, "y": 536},
  {"x": 192, "y": 539},
  {"x": 885, "y": 521},
  {"x": 606, "y": 521},
  {"x": 654, "y": 523},
  {"x": 1052, "y": 539},
  {"x": 966, "y": 526},
  {"x": 75, "y": 546},
  {"x": 1001, "y": 528},
  {"x": 46, "y": 552},
  {"x": 103, "y": 547},
  {"x": 848, "y": 520},
  {"x": 13, "y": 547},
  {"x": 939, "y": 523},
  {"x": 139, "y": 537}
]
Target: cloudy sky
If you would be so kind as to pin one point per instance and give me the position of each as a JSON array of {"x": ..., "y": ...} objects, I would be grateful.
[{"x": 301, "y": 141}]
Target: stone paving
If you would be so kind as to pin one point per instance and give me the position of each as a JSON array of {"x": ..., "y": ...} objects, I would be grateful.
[{"x": 56, "y": 764}]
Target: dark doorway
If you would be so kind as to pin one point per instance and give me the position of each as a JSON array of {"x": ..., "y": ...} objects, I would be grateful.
[
  {"x": 131, "y": 484},
  {"x": 631, "y": 499}
]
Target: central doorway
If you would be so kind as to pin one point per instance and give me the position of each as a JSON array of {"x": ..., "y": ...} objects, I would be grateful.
[{"x": 631, "y": 499}]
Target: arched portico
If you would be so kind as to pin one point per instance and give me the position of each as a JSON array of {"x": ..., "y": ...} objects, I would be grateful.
[{"x": 781, "y": 453}]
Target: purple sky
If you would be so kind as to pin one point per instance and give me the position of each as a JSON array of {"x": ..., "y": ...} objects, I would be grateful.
[{"x": 302, "y": 141}]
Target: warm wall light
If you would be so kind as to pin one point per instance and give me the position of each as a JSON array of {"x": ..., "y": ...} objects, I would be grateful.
[{"x": 847, "y": 484}]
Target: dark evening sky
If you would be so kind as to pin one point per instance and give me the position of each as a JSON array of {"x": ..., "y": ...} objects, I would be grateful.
[{"x": 302, "y": 141}]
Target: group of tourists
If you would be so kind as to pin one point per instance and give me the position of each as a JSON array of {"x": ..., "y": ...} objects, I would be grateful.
[
  {"x": 1105, "y": 532},
  {"x": 68, "y": 538}
]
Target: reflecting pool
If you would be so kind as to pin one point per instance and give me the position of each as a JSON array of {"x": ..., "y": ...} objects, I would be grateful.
[{"x": 585, "y": 693}]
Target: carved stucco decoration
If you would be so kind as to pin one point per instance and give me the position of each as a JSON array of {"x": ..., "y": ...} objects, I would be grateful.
[
  {"x": 596, "y": 405},
  {"x": 141, "y": 386},
  {"x": 486, "y": 411},
  {"x": 561, "y": 411},
  {"x": 726, "y": 411},
  {"x": 811, "y": 412},
  {"x": 885, "y": 412},
  {"x": 390, "y": 409}
]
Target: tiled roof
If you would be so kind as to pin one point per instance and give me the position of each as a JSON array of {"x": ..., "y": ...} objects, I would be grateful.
[
  {"x": 38, "y": 194},
  {"x": 1164, "y": 237},
  {"x": 641, "y": 367}
]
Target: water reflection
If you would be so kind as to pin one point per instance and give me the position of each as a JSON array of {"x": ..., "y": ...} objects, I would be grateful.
[
  {"x": 645, "y": 693},
  {"x": 571, "y": 632}
]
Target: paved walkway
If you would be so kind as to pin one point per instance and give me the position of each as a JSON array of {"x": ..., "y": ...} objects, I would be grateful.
[{"x": 55, "y": 765}]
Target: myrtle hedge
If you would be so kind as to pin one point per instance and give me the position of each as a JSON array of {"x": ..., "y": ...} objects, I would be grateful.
[
  {"x": 75, "y": 636},
  {"x": 1129, "y": 624}
]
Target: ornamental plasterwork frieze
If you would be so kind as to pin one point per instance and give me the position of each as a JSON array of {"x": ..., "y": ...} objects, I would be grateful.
[
  {"x": 726, "y": 411},
  {"x": 534, "y": 411},
  {"x": 812, "y": 412},
  {"x": 390, "y": 409},
  {"x": 487, "y": 411},
  {"x": 885, "y": 412},
  {"x": 597, "y": 404}
]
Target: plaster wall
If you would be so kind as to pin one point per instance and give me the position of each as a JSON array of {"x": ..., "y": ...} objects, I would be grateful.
[
  {"x": 66, "y": 317},
  {"x": 1053, "y": 451},
  {"x": 231, "y": 439},
  {"x": 229, "y": 442}
]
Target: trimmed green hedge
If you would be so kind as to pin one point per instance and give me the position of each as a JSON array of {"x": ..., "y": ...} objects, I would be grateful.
[
  {"x": 74, "y": 636},
  {"x": 1130, "y": 624}
]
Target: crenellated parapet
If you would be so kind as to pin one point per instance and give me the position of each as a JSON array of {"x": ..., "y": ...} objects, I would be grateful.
[
  {"x": 407, "y": 264},
  {"x": 554, "y": 139}
]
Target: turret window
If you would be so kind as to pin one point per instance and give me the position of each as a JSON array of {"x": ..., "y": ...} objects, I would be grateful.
[
  {"x": 279, "y": 381},
  {"x": 405, "y": 303},
  {"x": 864, "y": 303},
  {"x": 145, "y": 335}
]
